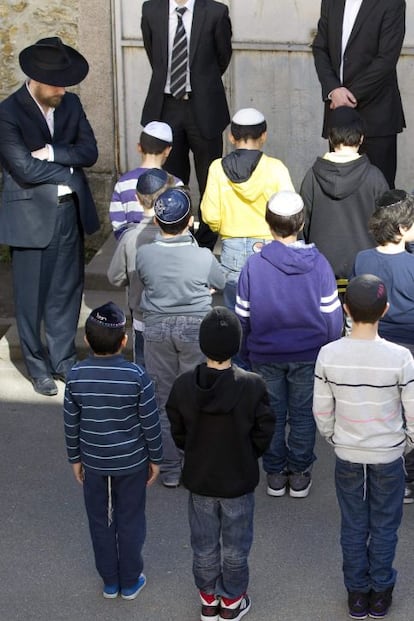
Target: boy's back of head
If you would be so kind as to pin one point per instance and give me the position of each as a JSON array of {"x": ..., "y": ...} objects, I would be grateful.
[
  {"x": 366, "y": 298},
  {"x": 105, "y": 329},
  {"x": 285, "y": 214},
  {"x": 346, "y": 127},
  {"x": 393, "y": 215},
  {"x": 173, "y": 210},
  {"x": 155, "y": 138},
  {"x": 220, "y": 334},
  {"x": 247, "y": 124},
  {"x": 151, "y": 184}
]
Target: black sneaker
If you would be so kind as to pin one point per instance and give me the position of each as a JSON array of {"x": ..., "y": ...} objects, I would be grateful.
[
  {"x": 235, "y": 611},
  {"x": 379, "y": 603},
  {"x": 358, "y": 604},
  {"x": 299, "y": 484}
]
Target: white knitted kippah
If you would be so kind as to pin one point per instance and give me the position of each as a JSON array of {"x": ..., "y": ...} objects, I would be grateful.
[
  {"x": 159, "y": 130},
  {"x": 285, "y": 203},
  {"x": 248, "y": 116}
]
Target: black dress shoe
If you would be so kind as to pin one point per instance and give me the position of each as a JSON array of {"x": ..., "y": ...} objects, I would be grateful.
[
  {"x": 59, "y": 376},
  {"x": 44, "y": 386}
]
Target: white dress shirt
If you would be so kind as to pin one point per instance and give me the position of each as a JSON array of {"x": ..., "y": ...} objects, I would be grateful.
[{"x": 350, "y": 14}]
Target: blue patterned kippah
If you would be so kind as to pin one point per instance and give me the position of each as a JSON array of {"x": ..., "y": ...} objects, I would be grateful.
[{"x": 109, "y": 316}]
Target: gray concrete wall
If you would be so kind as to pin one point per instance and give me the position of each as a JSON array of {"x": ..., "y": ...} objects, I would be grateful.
[{"x": 272, "y": 69}]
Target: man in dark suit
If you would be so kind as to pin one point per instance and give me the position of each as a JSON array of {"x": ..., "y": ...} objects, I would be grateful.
[
  {"x": 197, "y": 112},
  {"x": 356, "y": 51},
  {"x": 45, "y": 140}
]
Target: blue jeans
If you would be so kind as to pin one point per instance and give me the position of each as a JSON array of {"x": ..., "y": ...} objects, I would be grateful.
[
  {"x": 229, "y": 520},
  {"x": 370, "y": 498},
  {"x": 234, "y": 254},
  {"x": 171, "y": 347},
  {"x": 290, "y": 388}
]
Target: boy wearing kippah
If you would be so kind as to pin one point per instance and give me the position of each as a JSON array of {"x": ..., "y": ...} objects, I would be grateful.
[
  {"x": 364, "y": 407},
  {"x": 113, "y": 441},
  {"x": 220, "y": 418},
  {"x": 238, "y": 187},
  {"x": 288, "y": 305},
  {"x": 155, "y": 144},
  {"x": 177, "y": 278},
  {"x": 121, "y": 271}
]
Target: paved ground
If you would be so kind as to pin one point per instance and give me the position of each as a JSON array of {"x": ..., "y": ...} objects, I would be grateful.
[{"x": 46, "y": 563}]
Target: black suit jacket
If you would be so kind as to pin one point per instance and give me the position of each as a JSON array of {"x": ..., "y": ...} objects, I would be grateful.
[
  {"x": 29, "y": 199},
  {"x": 210, "y": 54},
  {"x": 370, "y": 61}
]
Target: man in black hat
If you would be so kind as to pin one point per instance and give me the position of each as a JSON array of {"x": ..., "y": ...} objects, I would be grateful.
[{"x": 47, "y": 206}]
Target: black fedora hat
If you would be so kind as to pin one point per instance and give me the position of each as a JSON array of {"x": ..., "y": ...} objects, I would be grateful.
[{"x": 52, "y": 62}]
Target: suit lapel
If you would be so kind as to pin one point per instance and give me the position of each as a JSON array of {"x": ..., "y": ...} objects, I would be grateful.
[
  {"x": 366, "y": 7},
  {"x": 337, "y": 8},
  {"x": 32, "y": 109},
  {"x": 196, "y": 27}
]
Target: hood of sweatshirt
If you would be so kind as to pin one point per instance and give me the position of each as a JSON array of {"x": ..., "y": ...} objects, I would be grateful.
[
  {"x": 339, "y": 179},
  {"x": 241, "y": 168},
  {"x": 297, "y": 258},
  {"x": 217, "y": 392}
]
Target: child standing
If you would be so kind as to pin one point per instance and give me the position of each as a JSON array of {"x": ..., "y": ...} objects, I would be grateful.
[
  {"x": 155, "y": 144},
  {"x": 220, "y": 418},
  {"x": 113, "y": 441},
  {"x": 288, "y": 305},
  {"x": 121, "y": 271},
  {"x": 177, "y": 277},
  {"x": 238, "y": 188},
  {"x": 362, "y": 384}
]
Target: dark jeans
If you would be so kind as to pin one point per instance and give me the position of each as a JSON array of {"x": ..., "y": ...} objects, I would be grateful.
[
  {"x": 290, "y": 388},
  {"x": 117, "y": 546},
  {"x": 221, "y": 524},
  {"x": 370, "y": 498}
]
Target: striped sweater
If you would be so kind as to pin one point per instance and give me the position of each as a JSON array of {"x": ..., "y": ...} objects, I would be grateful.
[
  {"x": 111, "y": 417},
  {"x": 361, "y": 388}
]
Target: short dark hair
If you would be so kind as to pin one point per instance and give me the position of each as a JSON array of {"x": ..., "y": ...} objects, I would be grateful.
[
  {"x": 386, "y": 221},
  {"x": 348, "y": 136},
  {"x": 177, "y": 227},
  {"x": 366, "y": 298},
  {"x": 151, "y": 145},
  {"x": 284, "y": 226},
  {"x": 103, "y": 340},
  {"x": 246, "y": 132}
]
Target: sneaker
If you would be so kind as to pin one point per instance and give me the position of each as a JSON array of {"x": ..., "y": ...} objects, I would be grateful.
[
  {"x": 358, "y": 604},
  {"x": 299, "y": 484},
  {"x": 408, "y": 496},
  {"x": 379, "y": 603},
  {"x": 276, "y": 483},
  {"x": 170, "y": 479},
  {"x": 110, "y": 591},
  {"x": 234, "y": 610},
  {"x": 210, "y": 606},
  {"x": 132, "y": 592}
]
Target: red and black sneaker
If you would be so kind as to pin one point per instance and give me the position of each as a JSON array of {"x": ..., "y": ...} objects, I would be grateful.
[
  {"x": 234, "y": 609},
  {"x": 210, "y": 606}
]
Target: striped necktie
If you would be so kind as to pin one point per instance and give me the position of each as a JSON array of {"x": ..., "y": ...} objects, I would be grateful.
[{"x": 179, "y": 58}]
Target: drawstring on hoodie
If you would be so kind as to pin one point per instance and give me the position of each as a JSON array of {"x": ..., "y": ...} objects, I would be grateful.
[{"x": 110, "y": 507}]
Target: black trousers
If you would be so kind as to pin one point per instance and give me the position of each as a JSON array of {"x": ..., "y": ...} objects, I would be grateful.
[
  {"x": 48, "y": 285},
  {"x": 187, "y": 137},
  {"x": 382, "y": 152}
]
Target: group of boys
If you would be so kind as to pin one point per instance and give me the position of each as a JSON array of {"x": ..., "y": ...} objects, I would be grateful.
[{"x": 216, "y": 419}]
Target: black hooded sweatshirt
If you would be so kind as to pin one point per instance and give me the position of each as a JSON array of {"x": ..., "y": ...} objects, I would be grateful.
[
  {"x": 339, "y": 200},
  {"x": 223, "y": 422}
]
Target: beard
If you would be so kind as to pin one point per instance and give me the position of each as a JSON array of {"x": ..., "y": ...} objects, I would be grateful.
[{"x": 53, "y": 101}]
